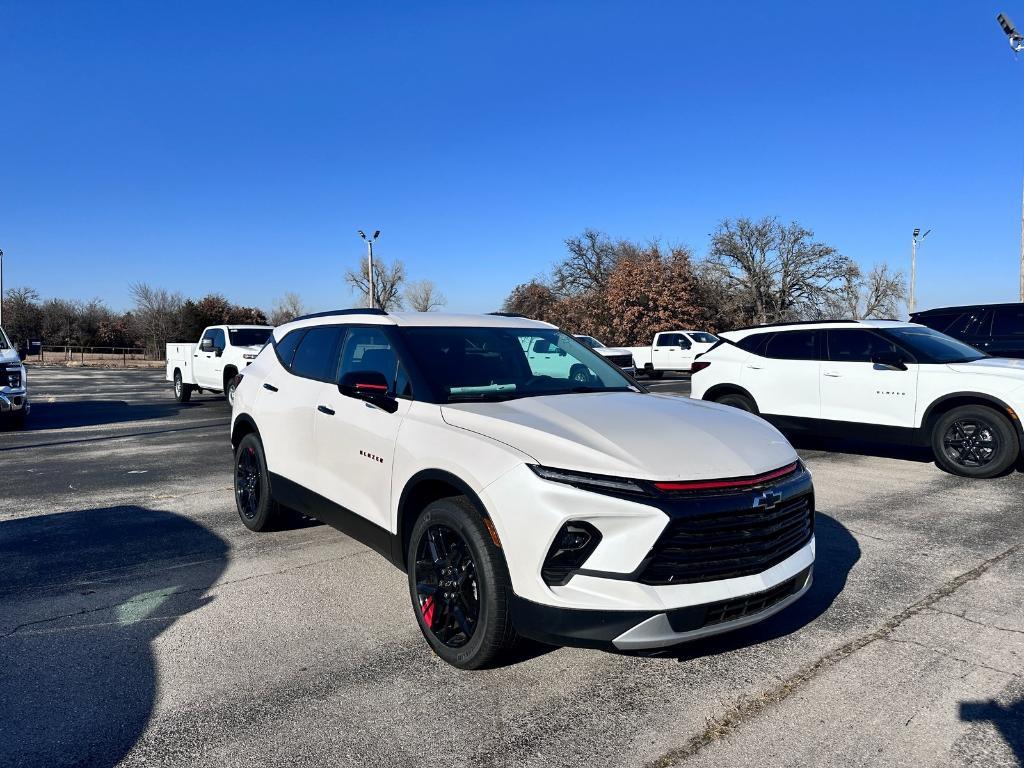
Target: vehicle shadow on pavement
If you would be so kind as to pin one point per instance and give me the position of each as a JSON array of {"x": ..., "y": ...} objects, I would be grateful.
[
  {"x": 880, "y": 449},
  {"x": 1007, "y": 719},
  {"x": 83, "y": 596},
  {"x": 836, "y": 552},
  {"x": 91, "y": 413}
]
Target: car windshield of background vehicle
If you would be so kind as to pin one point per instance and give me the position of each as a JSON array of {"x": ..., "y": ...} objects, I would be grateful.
[
  {"x": 589, "y": 341},
  {"x": 930, "y": 346},
  {"x": 703, "y": 338},
  {"x": 481, "y": 364},
  {"x": 249, "y": 337}
]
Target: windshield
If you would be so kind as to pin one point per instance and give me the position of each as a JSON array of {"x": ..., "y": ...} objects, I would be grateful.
[
  {"x": 704, "y": 338},
  {"x": 474, "y": 364},
  {"x": 249, "y": 337},
  {"x": 589, "y": 341},
  {"x": 930, "y": 346},
  {"x": 4, "y": 343}
]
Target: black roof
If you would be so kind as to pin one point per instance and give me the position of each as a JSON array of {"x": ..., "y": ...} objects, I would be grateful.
[
  {"x": 793, "y": 322},
  {"x": 966, "y": 307},
  {"x": 334, "y": 312}
]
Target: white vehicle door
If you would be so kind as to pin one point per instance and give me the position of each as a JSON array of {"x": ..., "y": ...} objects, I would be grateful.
[
  {"x": 355, "y": 439},
  {"x": 783, "y": 373},
  {"x": 287, "y": 403},
  {"x": 672, "y": 352},
  {"x": 867, "y": 379},
  {"x": 207, "y": 365}
]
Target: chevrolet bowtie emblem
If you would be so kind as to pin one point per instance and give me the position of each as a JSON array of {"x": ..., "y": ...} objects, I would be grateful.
[{"x": 768, "y": 499}]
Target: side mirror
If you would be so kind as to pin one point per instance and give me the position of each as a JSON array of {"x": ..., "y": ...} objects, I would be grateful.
[
  {"x": 889, "y": 359},
  {"x": 206, "y": 345},
  {"x": 370, "y": 386}
]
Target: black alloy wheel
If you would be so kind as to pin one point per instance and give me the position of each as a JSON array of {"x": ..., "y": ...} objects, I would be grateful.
[
  {"x": 446, "y": 586},
  {"x": 975, "y": 441},
  {"x": 248, "y": 482}
]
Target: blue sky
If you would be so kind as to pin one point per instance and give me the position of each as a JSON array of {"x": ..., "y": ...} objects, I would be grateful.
[{"x": 237, "y": 147}]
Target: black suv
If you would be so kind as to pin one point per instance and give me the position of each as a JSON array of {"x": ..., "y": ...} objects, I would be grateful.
[{"x": 997, "y": 329}]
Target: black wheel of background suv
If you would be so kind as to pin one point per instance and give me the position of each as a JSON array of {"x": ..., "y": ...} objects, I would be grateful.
[
  {"x": 653, "y": 374},
  {"x": 182, "y": 391},
  {"x": 459, "y": 584},
  {"x": 974, "y": 441},
  {"x": 736, "y": 400},
  {"x": 256, "y": 507}
]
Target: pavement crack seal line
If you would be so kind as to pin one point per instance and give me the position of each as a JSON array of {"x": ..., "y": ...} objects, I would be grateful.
[
  {"x": 172, "y": 591},
  {"x": 951, "y": 657},
  {"x": 962, "y": 617},
  {"x": 749, "y": 708}
]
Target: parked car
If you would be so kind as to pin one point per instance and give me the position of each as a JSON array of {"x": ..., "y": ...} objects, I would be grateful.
[
  {"x": 618, "y": 355},
  {"x": 519, "y": 501},
  {"x": 671, "y": 351},
  {"x": 14, "y": 404},
  {"x": 878, "y": 379},
  {"x": 212, "y": 364},
  {"x": 997, "y": 329}
]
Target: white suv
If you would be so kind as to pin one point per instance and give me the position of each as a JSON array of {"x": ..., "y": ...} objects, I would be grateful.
[
  {"x": 522, "y": 502},
  {"x": 874, "y": 379}
]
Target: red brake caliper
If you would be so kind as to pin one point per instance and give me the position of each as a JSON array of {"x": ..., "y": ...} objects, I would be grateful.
[{"x": 428, "y": 611}]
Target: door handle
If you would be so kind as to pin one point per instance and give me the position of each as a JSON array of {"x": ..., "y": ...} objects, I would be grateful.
[
  {"x": 755, "y": 367},
  {"x": 271, "y": 387},
  {"x": 325, "y": 409},
  {"x": 833, "y": 374}
]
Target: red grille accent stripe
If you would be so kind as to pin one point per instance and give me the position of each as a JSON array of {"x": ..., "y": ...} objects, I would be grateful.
[{"x": 745, "y": 482}]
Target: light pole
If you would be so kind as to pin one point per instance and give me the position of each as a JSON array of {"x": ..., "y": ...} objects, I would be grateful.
[
  {"x": 1016, "y": 40},
  {"x": 369, "y": 272},
  {"x": 918, "y": 237},
  {"x": 1, "y": 287}
]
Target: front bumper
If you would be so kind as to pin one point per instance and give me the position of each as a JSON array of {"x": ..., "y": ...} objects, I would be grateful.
[
  {"x": 644, "y": 630},
  {"x": 14, "y": 400},
  {"x": 615, "y": 599}
]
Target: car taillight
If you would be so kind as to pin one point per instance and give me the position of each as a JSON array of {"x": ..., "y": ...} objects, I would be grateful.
[{"x": 699, "y": 365}]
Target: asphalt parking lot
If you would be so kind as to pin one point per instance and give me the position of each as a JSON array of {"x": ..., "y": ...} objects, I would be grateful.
[{"x": 141, "y": 624}]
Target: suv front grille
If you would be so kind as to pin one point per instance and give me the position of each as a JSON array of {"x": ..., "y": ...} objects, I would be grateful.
[
  {"x": 727, "y": 545},
  {"x": 623, "y": 361}
]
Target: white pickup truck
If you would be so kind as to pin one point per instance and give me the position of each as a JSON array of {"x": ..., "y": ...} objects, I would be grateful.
[
  {"x": 671, "y": 351},
  {"x": 212, "y": 364}
]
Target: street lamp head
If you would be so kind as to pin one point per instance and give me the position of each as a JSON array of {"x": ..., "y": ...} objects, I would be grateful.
[
  {"x": 362, "y": 234},
  {"x": 917, "y": 231},
  {"x": 376, "y": 234},
  {"x": 1016, "y": 38}
]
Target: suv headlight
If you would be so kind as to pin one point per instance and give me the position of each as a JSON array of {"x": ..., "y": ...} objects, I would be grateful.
[{"x": 588, "y": 481}]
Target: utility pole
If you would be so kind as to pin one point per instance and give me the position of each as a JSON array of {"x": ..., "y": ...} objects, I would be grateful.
[
  {"x": 370, "y": 270},
  {"x": 918, "y": 237},
  {"x": 1016, "y": 40}
]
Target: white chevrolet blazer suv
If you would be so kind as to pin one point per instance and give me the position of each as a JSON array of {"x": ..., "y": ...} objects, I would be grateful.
[
  {"x": 571, "y": 510},
  {"x": 877, "y": 379}
]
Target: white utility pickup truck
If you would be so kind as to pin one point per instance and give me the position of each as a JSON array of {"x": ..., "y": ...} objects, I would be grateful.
[
  {"x": 671, "y": 351},
  {"x": 212, "y": 364}
]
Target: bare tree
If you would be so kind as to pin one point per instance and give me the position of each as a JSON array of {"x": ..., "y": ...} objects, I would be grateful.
[
  {"x": 779, "y": 271},
  {"x": 286, "y": 309},
  {"x": 157, "y": 314},
  {"x": 387, "y": 283},
  {"x": 423, "y": 296},
  {"x": 879, "y": 294},
  {"x": 591, "y": 261}
]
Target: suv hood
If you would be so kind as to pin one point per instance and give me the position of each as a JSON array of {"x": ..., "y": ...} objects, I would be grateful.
[
  {"x": 1011, "y": 368},
  {"x": 629, "y": 434}
]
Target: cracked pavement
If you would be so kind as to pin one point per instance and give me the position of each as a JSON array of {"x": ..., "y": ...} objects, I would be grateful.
[{"x": 140, "y": 623}]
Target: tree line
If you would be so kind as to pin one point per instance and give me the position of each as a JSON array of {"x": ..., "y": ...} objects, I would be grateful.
[{"x": 755, "y": 272}]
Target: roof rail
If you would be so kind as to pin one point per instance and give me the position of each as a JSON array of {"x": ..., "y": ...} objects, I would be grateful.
[
  {"x": 509, "y": 314},
  {"x": 334, "y": 312},
  {"x": 792, "y": 322}
]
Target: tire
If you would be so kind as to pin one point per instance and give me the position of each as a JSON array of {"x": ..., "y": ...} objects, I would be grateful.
[
  {"x": 580, "y": 374},
  {"x": 736, "y": 400},
  {"x": 256, "y": 507},
  {"x": 974, "y": 441},
  {"x": 451, "y": 547},
  {"x": 182, "y": 391},
  {"x": 651, "y": 373},
  {"x": 229, "y": 386}
]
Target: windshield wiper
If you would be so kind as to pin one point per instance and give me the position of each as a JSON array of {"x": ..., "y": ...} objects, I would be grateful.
[{"x": 483, "y": 397}]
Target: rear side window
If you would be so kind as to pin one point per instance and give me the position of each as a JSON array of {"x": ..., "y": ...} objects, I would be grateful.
[
  {"x": 856, "y": 346},
  {"x": 1008, "y": 321},
  {"x": 317, "y": 354},
  {"x": 793, "y": 345},
  {"x": 753, "y": 343},
  {"x": 369, "y": 349},
  {"x": 939, "y": 321},
  {"x": 285, "y": 348}
]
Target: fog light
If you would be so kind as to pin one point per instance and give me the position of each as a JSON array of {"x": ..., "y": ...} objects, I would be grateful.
[{"x": 573, "y": 544}]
